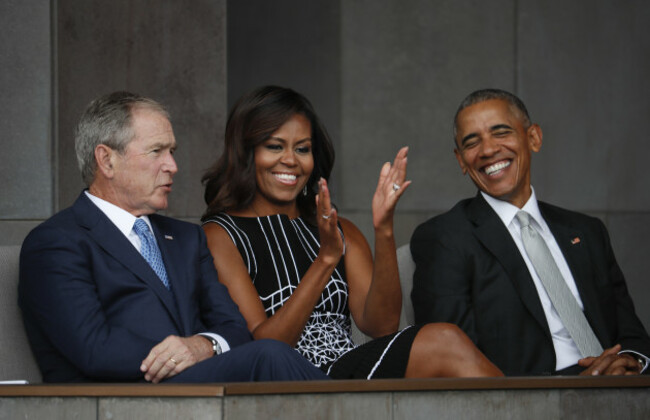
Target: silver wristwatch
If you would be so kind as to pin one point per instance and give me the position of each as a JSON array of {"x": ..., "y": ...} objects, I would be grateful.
[{"x": 216, "y": 348}]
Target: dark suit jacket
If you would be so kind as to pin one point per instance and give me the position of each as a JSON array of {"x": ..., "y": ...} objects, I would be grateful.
[
  {"x": 469, "y": 272},
  {"x": 92, "y": 306}
]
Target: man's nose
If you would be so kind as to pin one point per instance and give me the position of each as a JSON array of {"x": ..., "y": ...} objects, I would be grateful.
[
  {"x": 171, "y": 164},
  {"x": 489, "y": 146}
]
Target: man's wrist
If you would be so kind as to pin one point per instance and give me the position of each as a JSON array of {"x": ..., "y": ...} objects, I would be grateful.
[
  {"x": 643, "y": 362},
  {"x": 639, "y": 357},
  {"x": 214, "y": 344}
]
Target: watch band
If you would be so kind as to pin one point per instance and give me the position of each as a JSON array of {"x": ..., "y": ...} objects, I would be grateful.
[
  {"x": 642, "y": 361},
  {"x": 216, "y": 347}
]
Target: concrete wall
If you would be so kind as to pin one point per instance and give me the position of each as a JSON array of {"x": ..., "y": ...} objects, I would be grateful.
[
  {"x": 581, "y": 67},
  {"x": 26, "y": 163},
  {"x": 381, "y": 74},
  {"x": 57, "y": 56},
  {"x": 288, "y": 43},
  {"x": 172, "y": 51}
]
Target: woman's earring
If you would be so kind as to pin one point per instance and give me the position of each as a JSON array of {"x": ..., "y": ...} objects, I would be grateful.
[{"x": 304, "y": 191}]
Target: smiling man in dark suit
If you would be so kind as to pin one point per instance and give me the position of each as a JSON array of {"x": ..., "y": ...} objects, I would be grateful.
[
  {"x": 536, "y": 287},
  {"x": 110, "y": 291}
]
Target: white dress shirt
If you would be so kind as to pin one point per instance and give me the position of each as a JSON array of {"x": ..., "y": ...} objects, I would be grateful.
[
  {"x": 566, "y": 351},
  {"x": 124, "y": 221}
]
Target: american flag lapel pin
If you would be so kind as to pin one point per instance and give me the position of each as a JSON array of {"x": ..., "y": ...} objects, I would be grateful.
[
  {"x": 575, "y": 240},
  {"x": 169, "y": 237}
]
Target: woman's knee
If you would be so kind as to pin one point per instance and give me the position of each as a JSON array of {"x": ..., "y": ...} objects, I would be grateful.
[{"x": 442, "y": 333}]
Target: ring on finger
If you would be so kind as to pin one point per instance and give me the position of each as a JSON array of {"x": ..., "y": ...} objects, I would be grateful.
[
  {"x": 396, "y": 187},
  {"x": 325, "y": 216},
  {"x": 173, "y": 360}
]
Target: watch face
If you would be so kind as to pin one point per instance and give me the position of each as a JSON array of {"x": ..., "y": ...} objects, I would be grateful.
[{"x": 215, "y": 346}]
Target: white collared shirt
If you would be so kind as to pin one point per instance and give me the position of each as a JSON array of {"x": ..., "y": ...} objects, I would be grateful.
[
  {"x": 124, "y": 221},
  {"x": 566, "y": 351},
  {"x": 121, "y": 218}
]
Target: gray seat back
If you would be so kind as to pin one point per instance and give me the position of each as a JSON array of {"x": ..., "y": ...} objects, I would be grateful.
[
  {"x": 406, "y": 268},
  {"x": 16, "y": 359}
]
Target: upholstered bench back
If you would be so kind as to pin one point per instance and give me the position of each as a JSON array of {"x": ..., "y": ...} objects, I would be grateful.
[
  {"x": 406, "y": 268},
  {"x": 16, "y": 359}
]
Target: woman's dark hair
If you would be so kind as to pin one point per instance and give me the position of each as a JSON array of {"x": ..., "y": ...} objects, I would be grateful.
[{"x": 230, "y": 182}]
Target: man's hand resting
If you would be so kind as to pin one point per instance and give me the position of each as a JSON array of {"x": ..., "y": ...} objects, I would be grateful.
[
  {"x": 611, "y": 363},
  {"x": 173, "y": 355}
]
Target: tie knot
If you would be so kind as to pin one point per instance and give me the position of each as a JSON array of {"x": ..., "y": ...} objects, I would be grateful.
[
  {"x": 140, "y": 227},
  {"x": 523, "y": 217}
]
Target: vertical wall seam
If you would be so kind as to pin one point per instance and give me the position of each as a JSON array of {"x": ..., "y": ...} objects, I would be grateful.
[
  {"x": 338, "y": 143},
  {"x": 516, "y": 45},
  {"x": 226, "y": 41},
  {"x": 54, "y": 100}
]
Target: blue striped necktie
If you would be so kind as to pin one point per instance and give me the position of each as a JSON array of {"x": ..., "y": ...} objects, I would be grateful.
[{"x": 149, "y": 250}]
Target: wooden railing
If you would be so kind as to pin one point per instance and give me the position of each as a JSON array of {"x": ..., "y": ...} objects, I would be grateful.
[{"x": 529, "y": 397}]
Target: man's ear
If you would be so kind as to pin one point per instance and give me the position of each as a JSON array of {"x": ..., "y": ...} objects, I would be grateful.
[
  {"x": 104, "y": 156},
  {"x": 535, "y": 135},
  {"x": 459, "y": 158}
]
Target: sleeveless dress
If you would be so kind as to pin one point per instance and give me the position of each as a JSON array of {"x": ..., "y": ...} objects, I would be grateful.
[{"x": 277, "y": 251}]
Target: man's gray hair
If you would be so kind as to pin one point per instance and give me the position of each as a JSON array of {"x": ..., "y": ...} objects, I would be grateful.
[
  {"x": 489, "y": 94},
  {"x": 108, "y": 120}
]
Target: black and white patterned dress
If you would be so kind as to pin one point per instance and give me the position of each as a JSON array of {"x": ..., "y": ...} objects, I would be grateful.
[{"x": 277, "y": 251}]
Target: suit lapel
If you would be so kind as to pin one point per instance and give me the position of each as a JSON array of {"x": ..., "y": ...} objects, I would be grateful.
[
  {"x": 173, "y": 257},
  {"x": 579, "y": 262},
  {"x": 491, "y": 232},
  {"x": 114, "y": 243}
]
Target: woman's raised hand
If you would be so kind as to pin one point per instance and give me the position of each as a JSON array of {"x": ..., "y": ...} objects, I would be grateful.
[
  {"x": 390, "y": 188},
  {"x": 331, "y": 241}
]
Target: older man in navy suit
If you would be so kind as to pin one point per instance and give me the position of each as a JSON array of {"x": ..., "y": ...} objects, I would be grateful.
[
  {"x": 110, "y": 291},
  {"x": 536, "y": 287}
]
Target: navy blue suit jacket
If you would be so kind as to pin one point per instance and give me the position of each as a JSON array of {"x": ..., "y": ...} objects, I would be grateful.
[
  {"x": 469, "y": 272},
  {"x": 92, "y": 306}
]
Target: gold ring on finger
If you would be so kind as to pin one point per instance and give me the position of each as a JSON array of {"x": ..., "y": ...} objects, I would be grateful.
[{"x": 173, "y": 360}]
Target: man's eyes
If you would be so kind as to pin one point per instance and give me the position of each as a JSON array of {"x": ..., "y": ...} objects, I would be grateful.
[
  {"x": 474, "y": 141},
  {"x": 501, "y": 133},
  {"x": 159, "y": 150}
]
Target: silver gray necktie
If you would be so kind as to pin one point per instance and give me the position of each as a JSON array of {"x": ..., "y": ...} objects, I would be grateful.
[{"x": 561, "y": 297}]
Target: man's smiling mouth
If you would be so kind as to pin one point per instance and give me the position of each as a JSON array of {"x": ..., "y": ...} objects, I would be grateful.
[{"x": 497, "y": 167}]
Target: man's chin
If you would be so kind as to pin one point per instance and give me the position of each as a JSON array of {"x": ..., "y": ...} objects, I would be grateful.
[{"x": 159, "y": 206}]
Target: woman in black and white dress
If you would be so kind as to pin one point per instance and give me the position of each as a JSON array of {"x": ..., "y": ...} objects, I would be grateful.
[{"x": 296, "y": 269}]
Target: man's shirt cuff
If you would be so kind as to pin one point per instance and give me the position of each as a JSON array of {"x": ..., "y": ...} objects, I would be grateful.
[
  {"x": 638, "y": 355},
  {"x": 222, "y": 342}
]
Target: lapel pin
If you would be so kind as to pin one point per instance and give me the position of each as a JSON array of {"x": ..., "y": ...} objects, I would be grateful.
[
  {"x": 169, "y": 237},
  {"x": 575, "y": 240}
]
